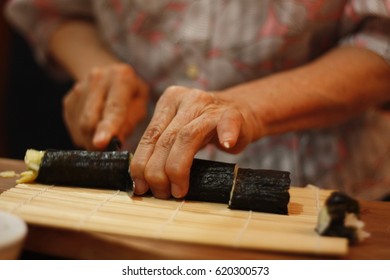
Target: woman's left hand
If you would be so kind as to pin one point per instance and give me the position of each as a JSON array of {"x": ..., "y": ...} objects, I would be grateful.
[{"x": 184, "y": 121}]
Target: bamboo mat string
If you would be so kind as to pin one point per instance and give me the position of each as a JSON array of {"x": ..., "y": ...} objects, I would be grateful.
[
  {"x": 317, "y": 200},
  {"x": 28, "y": 200},
  {"x": 243, "y": 230},
  {"x": 318, "y": 208},
  {"x": 84, "y": 220},
  {"x": 169, "y": 220}
]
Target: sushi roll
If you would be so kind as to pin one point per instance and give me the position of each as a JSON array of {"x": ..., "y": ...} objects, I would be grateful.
[
  {"x": 240, "y": 188},
  {"x": 340, "y": 217},
  {"x": 261, "y": 190},
  {"x": 210, "y": 181},
  {"x": 108, "y": 169}
]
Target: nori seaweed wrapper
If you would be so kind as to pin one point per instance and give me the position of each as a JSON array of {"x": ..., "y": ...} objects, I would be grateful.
[
  {"x": 261, "y": 190},
  {"x": 210, "y": 181},
  {"x": 108, "y": 169}
]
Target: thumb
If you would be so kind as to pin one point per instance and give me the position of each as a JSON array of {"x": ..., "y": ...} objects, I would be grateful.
[{"x": 229, "y": 128}]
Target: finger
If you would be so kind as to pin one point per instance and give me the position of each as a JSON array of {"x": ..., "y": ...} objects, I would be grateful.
[
  {"x": 164, "y": 112},
  {"x": 160, "y": 120},
  {"x": 155, "y": 169},
  {"x": 191, "y": 105},
  {"x": 72, "y": 103},
  {"x": 92, "y": 110},
  {"x": 137, "y": 109},
  {"x": 115, "y": 109},
  {"x": 229, "y": 128},
  {"x": 189, "y": 140},
  {"x": 155, "y": 173}
]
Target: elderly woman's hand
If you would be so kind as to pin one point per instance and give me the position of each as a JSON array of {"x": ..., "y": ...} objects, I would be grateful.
[
  {"x": 184, "y": 121},
  {"x": 109, "y": 102}
]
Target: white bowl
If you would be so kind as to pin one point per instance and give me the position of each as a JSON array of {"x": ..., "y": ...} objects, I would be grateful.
[{"x": 13, "y": 232}]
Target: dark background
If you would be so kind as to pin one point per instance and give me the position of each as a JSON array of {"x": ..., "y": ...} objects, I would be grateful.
[{"x": 30, "y": 100}]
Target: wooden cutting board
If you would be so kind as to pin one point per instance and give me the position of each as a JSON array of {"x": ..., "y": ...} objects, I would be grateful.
[{"x": 115, "y": 212}]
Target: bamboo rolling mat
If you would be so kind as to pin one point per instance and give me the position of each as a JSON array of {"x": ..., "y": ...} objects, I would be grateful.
[{"x": 115, "y": 212}]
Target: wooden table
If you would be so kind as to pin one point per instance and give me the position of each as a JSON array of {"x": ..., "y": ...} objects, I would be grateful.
[{"x": 61, "y": 243}]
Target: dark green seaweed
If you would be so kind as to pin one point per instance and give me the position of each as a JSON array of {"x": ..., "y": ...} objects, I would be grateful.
[
  {"x": 261, "y": 190},
  {"x": 85, "y": 168},
  {"x": 210, "y": 181}
]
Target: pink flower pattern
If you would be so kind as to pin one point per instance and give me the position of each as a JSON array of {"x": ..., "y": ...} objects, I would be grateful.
[{"x": 214, "y": 44}]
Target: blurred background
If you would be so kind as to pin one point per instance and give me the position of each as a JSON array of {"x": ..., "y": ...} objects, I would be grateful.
[{"x": 30, "y": 100}]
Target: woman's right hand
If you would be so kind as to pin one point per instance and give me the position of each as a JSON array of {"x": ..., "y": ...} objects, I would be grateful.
[
  {"x": 109, "y": 102},
  {"x": 184, "y": 121}
]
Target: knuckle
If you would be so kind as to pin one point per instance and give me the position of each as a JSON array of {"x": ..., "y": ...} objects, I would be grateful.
[
  {"x": 96, "y": 75},
  {"x": 114, "y": 105},
  {"x": 158, "y": 180},
  {"x": 174, "y": 88},
  {"x": 116, "y": 109},
  {"x": 173, "y": 91},
  {"x": 201, "y": 97},
  {"x": 96, "y": 72},
  {"x": 154, "y": 178},
  {"x": 174, "y": 170},
  {"x": 136, "y": 166},
  {"x": 122, "y": 72},
  {"x": 151, "y": 135},
  {"x": 166, "y": 140},
  {"x": 187, "y": 134},
  {"x": 237, "y": 117},
  {"x": 231, "y": 115},
  {"x": 77, "y": 88}
]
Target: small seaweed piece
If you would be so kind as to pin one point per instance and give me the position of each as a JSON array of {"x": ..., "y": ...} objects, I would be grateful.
[{"x": 340, "y": 217}]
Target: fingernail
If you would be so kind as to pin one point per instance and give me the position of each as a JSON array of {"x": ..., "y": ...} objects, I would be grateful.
[
  {"x": 176, "y": 191},
  {"x": 140, "y": 186},
  {"x": 226, "y": 144}
]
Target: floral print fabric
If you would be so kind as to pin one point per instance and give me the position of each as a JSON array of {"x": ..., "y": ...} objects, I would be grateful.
[{"x": 214, "y": 44}]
